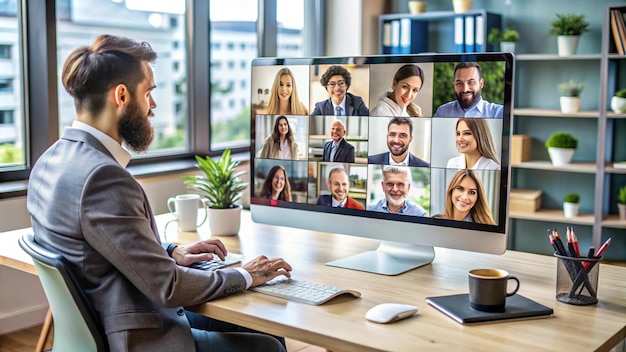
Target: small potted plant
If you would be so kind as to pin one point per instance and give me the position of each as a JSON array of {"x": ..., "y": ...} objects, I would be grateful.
[
  {"x": 220, "y": 183},
  {"x": 570, "y": 205},
  {"x": 621, "y": 203},
  {"x": 506, "y": 39},
  {"x": 618, "y": 102},
  {"x": 570, "y": 96},
  {"x": 561, "y": 147},
  {"x": 568, "y": 28}
]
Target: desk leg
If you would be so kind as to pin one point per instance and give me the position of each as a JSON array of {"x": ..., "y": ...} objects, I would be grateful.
[{"x": 45, "y": 332}]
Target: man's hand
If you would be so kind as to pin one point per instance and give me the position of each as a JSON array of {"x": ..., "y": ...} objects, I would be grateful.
[
  {"x": 199, "y": 251},
  {"x": 262, "y": 269}
]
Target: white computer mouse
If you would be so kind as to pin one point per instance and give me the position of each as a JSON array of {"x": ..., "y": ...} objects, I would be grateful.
[{"x": 390, "y": 312}]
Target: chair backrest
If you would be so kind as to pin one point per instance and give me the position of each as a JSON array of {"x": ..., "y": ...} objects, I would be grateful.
[{"x": 76, "y": 325}]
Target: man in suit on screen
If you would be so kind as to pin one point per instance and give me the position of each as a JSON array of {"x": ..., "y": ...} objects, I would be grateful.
[
  {"x": 339, "y": 185},
  {"x": 338, "y": 149},
  {"x": 399, "y": 137}
]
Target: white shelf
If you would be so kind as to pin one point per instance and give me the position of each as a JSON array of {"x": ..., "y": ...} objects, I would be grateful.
[
  {"x": 585, "y": 168},
  {"x": 554, "y": 113},
  {"x": 552, "y": 216}
]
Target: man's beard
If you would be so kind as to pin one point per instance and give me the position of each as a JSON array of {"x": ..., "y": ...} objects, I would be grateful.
[
  {"x": 135, "y": 129},
  {"x": 468, "y": 104}
]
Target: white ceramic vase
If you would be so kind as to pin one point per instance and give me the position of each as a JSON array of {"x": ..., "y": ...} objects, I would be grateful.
[
  {"x": 567, "y": 44},
  {"x": 560, "y": 156},
  {"x": 570, "y": 210},
  {"x": 224, "y": 222},
  {"x": 507, "y": 47},
  {"x": 570, "y": 105},
  {"x": 618, "y": 105},
  {"x": 621, "y": 208}
]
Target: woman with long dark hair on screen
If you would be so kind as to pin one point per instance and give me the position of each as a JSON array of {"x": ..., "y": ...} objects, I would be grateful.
[
  {"x": 406, "y": 83},
  {"x": 276, "y": 185},
  {"x": 465, "y": 200},
  {"x": 474, "y": 142},
  {"x": 281, "y": 144},
  {"x": 284, "y": 97}
]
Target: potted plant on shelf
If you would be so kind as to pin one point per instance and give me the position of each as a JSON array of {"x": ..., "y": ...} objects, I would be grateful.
[
  {"x": 570, "y": 96},
  {"x": 561, "y": 147},
  {"x": 507, "y": 39},
  {"x": 570, "y": 205},
  {"x": 621, "y": 203},
  {"x": 220, "y": 183},
  {"x": 568, "y": 28},
  {"x": 618, "y": 102}
]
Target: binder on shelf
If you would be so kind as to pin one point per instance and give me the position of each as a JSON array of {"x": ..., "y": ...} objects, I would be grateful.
[
  {"x": 419, "y": 37},
  {"x": 386, "y": 37},
  {"x": 459, "y": 34},
  {"x": 405, "y": 36},
  {"x": 469, "y": 34},
  {"x": 395, "y": 37},
  {"x": 479, "y": 33}
]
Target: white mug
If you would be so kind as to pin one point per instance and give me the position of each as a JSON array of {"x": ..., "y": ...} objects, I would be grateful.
[{"x": 185, "y": 209}]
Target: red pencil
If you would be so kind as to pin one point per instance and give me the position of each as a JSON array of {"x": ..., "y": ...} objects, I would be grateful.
[
  {"x": 575, "y": 241},
  {"x": 599, "y": 252}
]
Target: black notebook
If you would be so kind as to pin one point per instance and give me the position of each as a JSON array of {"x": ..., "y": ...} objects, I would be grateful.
[{"x": 458, "y": 308}]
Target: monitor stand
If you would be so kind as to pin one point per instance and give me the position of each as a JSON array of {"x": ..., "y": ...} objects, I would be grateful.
[{"x": 390, "y": 258}]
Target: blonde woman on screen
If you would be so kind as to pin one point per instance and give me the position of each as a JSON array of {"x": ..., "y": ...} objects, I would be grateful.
[
  {"x": 276, "y": 185},
  {"x": 465, "y": 200},
  {"x": 474, "y": 142},
  {"x": 284, "y": 98},
  {"x": 406, "y": 83},
  {"x": 281, "y": 144}
]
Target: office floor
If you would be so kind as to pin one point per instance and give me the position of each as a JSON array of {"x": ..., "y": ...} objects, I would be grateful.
[{"x": 26, "y": 341}]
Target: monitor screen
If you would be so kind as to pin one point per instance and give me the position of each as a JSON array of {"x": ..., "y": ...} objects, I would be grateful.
[{"x": 412, "y": 150}]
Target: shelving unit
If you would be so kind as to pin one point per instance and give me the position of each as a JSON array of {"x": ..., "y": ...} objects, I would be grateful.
[
  {"x": 592, "y": 173},
  {"x": 435, "y": 31}
]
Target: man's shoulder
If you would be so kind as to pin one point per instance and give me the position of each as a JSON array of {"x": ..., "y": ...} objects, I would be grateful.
[
  {"x": 377, "y": 158},
  {"x": 415, "y": 161}
]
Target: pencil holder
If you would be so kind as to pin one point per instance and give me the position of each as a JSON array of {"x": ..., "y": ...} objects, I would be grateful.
[{"x": 577, "y": 280}]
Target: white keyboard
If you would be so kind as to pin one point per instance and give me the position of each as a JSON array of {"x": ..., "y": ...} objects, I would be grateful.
[
  {"x": 302, "y": 291},
  {"x": 217, "y": 263}
]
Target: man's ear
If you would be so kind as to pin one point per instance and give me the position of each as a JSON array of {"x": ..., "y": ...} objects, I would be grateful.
[
  {"x": 482, "y": 83},
  {"x": 121, "y": 95}
]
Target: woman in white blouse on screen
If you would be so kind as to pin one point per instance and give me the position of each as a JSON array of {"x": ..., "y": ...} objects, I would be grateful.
[
  {"x": 406, "y": 83},
  {"x": 474, "y": 142}
]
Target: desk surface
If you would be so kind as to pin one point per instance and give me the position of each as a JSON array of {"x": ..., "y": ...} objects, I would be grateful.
[{"x": 340, "y": 324}]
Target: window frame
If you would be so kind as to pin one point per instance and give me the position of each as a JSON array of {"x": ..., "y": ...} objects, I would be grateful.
[{"x": 41, "y": 94}]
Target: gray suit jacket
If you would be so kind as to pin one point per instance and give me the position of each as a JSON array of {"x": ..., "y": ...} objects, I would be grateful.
[{"x": 84, "y": 205}]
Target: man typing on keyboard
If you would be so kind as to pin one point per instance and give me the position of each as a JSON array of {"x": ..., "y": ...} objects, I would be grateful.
[{"x": 84, "y": 205}]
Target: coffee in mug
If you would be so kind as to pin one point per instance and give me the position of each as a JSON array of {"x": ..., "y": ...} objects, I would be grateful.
[
  {"x": 488, "y": 289},
  {"x": 185, "y": 209}
]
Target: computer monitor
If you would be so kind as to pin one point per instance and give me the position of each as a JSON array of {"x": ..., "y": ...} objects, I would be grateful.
[{"x": 417, "y": 156}]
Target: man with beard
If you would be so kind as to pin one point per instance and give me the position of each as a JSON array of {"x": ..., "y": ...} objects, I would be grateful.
[
  {"x": 468, "y": 85},
  {"x": 399, "y": 137},
  {"x": 396, "y": 184},
  {"x": 339, "y": 185},
  {"x": 84, "y": 205},
  {"x": 337, "y": 80},
  {"x": 338, "y": 150}
]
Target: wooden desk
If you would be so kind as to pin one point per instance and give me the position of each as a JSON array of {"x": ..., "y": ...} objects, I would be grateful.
[{"x": 340, "y": 324}]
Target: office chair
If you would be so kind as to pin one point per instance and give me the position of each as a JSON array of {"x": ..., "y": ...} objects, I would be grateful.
[{"x": 76, "y": 325}]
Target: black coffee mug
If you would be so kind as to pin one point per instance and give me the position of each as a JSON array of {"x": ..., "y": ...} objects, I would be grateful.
[{"x": 488, "y": 289}]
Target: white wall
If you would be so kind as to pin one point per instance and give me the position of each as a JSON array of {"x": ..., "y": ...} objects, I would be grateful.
[{"x": 352, "y": 27}]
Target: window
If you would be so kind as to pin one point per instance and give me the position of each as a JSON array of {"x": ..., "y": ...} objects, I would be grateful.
[
  {"x": 161, "y": 26},
  {"x": 12, "y": 122},
  {"x": 290, "y": 18}
]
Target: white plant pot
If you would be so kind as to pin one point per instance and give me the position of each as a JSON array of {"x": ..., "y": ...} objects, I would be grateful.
[
  {"x": 560, "y": 156},
  {"x": 507, "y": 47},
  {"x": 567, "y": 44},
  {"x": 618, "y": 105},
  {"x": 570, "y": 210},
  {"x": 621, "y": 208},
  {"x": 224, "y": 222},
  {"x": 570, "y": 105}
]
